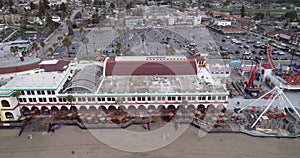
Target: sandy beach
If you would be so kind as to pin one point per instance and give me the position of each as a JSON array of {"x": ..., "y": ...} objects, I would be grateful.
[{"x": 83, "y": 144}]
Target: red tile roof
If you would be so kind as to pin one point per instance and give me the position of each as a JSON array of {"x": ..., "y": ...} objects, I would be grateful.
[
  {"x": 200, "y": 58},
  {"x": 153, "y": 67}
]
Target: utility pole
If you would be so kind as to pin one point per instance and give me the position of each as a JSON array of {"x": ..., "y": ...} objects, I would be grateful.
[{"x": 297, "y": 41}]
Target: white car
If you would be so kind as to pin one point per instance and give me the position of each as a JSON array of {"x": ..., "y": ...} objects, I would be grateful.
[
  {"x": 280, "y": 53},
  {"x": 246, "y": 53}
]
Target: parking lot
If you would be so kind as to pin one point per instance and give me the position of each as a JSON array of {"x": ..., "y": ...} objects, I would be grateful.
[{"x": 250, "y": 46}]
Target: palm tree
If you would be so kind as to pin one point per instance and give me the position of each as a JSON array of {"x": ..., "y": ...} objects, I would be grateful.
[
  {"x": 293, "y": 52},
  {"x": 69, "y": 24},
  {"x": 34, "y": 46},
  {"x": 81, "y": 30},
  {"x": 42, "y": 43},
  {"x": 118, "y": 50},
  {"x": 13, "y": 50},
  {"x": 168, "y": 40},
  {"x": 85, "y": 41},
  {"x": 67, "y": 43},
  {"x": 119, "y": 101},
  {"x": 70, "y": 98},
  {"x": 185, "y": 103},
  {"x": 17, "y": 95},
  {"x": 143, "y": 37},
  {"x": 55, "y": 44},
  {"x": 194, "y": 37},
  {"x": 60, "y": 38},
  {"x": 51, "y": 50}
]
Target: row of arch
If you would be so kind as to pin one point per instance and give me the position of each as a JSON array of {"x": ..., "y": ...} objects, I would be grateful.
[{"x": 122, "y": 107}]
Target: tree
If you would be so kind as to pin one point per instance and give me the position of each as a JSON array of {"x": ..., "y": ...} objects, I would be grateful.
[
  {"x": 81, "y": 30},
  {"x": 168, "y": 40},
  {"x": 194, "y": 37},
  {"x": 95, "y": 18},
  {"x": 293, "y": 52},
  {"x": 42, "y": 43},
  {"x": 60, "y": 38},
  {"x": 63, "y": 7},
  {"x": 54, "y": 45},
  {"x": 143, "y": 37},
  {"x": 13, "y": 50},
  {"x": 243, "y": 11},
  {"x": 16, "y": 94},
  {"x": 32, "y": 5},
  {"x": 118, "y": 50},
  {"x": 119, "y": 101},
  {"x": 259, "y": 16},
  {"x": 85, "y": 41},
  {"x": 112, "y": 5},
  {"x": 185, "y": 103},
  {"x": 69, "y": 24},
  {"x": 291, "y": 16},
  {"x": 67, "y": 43},
  {"x": 70, "y": 98},
  {"x": 51, "y": 50},
  {"x": 35, "y": 46}
]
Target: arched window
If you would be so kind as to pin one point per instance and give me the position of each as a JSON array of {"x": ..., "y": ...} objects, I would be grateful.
[
  {"x": 9, "y": 115},
  {"x": 5, "y": 103}
]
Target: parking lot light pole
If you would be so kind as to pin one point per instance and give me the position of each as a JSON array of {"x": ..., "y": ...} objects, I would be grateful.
[{"x": 297, "y": 41}]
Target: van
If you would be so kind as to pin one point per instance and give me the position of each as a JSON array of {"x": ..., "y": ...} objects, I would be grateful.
[{"x": 238, "y": 42}]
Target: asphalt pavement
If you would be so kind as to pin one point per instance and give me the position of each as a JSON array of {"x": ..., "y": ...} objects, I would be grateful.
[{"x": 250, "y": 46}]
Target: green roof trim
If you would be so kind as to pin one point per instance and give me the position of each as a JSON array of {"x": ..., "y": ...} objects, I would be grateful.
[{"x": 7, "y": 94}]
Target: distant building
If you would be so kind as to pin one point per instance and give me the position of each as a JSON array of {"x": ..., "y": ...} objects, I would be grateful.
[
  {"x": 131, "y": 22},
  {"x": 223, "y": 23},
  {"x": 10, "y": 18},
  {"x": 136, "y": 81},
  {"x": 219, "y": 70}
]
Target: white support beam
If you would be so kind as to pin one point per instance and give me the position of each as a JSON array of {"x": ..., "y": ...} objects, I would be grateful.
[
  {"x": 265, "y": 110},
  {"x": 257, "y": 99}
]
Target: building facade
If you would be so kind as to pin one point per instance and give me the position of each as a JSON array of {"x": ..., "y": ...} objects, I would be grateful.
[{"x": 133, "y": 82}]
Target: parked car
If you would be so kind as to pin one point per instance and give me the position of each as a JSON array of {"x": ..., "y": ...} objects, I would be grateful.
[
  {"x": 250, "y": 41},
  {"x": 246, "y": 53},
  {"x": 280, "y": 53},
  {"x": 246, "y": 46},
  {"x": 248, "y": 57},
  {"x": 238, "y": 42}
]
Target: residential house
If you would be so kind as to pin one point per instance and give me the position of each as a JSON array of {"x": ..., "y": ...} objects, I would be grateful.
[{"x": 10, "y": 18}]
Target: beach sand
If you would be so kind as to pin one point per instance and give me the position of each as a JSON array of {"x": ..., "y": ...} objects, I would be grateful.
[{"x": 69, "y": 138}]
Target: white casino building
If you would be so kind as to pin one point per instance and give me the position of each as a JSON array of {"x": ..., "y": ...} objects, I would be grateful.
[{"x": 124, "y": 82}]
